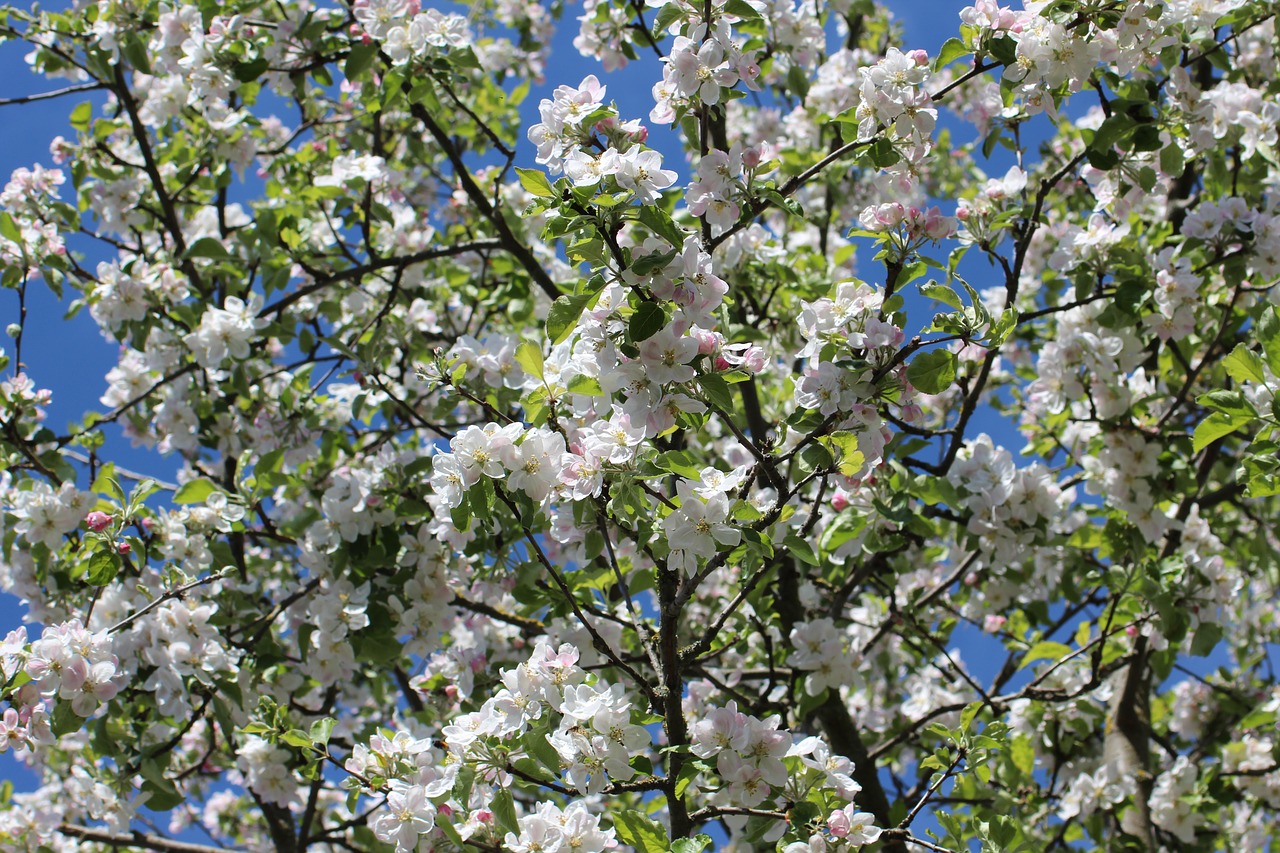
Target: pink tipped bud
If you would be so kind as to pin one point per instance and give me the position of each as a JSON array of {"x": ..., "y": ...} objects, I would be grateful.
[
  {"x": 839, "y": 501},
  {"x": 708, "y": 341},
  {"x": 97, "y": 521},
  {"x": 124, "y": 548},
  {"x": 919, "y": 57}
]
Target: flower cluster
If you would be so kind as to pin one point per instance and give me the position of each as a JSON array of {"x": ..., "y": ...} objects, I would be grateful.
[{"x": 70, "y": 664}]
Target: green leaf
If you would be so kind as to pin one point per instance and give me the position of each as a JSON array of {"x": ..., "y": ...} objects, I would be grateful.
[
  {"x": 848, "y": 457},
  {"x": 9, "y": 229},
  {"x": 1172, "y": 162},
  {"x": 660, "y": 222},
  {"x": 104, "y": 565},
  {"x": 649, "y": 264},
  {"x": 696, "y": 844},
  {"x": 742, "y": 9},
  {"x": 504, "y": 810},
  {"x": 64, "y": 721},
  {"x": 535, "y": 183},
  {"x": 1002, "y": 328},
  {"x": 942, "y": 293},
  {"x": 483, "y": 497},
  {"x": 667, "y": 16},
  {"x": 932, "y": 372},
  {"x": 1213, "y": 428},
  {"x": 679, "y": 462},
  {"x": 952, "y": 49},
  {"x": 81, "y": 116},
  {"x": 798, "y": 81},
  {"x": 298, "y": 738},
  {"x": 717, "y": 391},
  {"x": 360, "y": 60},
  {"x": 1110, "y": 132},
  {"x": 135, "y": 50},
  {"x": 1244, "y": 365},
  {"x": 1045, "y": 650},
  {"x": 801, "y": 550},
  {"x": 207, "y": 247},
  {"x": 529, "y": 357},
  {"x": 883, "y": 154},
  {"x": 322, "y": 729},
  {"x": 642, "y": 833},
  {"x": 967, "y": 715},
  {"x": 194, "y": 492},
  {"x": 1232, "y": 403},
  {"x": 247, "y": 72},
  {"x": 1206, "y": 639},
  {"x": 564, "y": 315},
  {"x": 585, "y": 385},
  {"x": 688, "y": 772},
  {"x": 107, "y": 484},
  {"x": 647, "y": 321},
  {"x": 1269, "y": 334},
  {"x": 162, "y": 797}
]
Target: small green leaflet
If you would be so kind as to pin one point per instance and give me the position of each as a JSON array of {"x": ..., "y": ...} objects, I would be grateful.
[
  {"x": 644, "y": 834},
  {"x": 952, "y": 49},
  {"x": 564, "y": 315},
  {"x": 1045, "y": 650},
  {"x": 1244, "y": 365},
  {"x": 1215, "y": 427},
  {"x": 194, "y": 492},
  {"x": 536, "y": 183},
  {"x": 529, "y": 357},
  {"x": 932, "y": 372},
  {"x": 647, "y": 321}
]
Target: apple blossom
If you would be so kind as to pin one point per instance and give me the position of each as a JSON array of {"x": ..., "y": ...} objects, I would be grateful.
[{"x": 874, "y": 436}]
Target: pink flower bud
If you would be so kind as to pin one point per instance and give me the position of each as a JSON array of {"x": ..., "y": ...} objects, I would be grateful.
[
  {"x": 124, "y": 548},
  {"x": 919, "y": 57},
  {"x": 97, "y": 521},
  {"x": 993, "y": 623},
  {"x": 708, "y": 341},
  {"x": 839, "y": 501}
]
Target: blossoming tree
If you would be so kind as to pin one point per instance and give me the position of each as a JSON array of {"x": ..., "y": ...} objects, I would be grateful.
[{"x": 620, "y": 481}]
